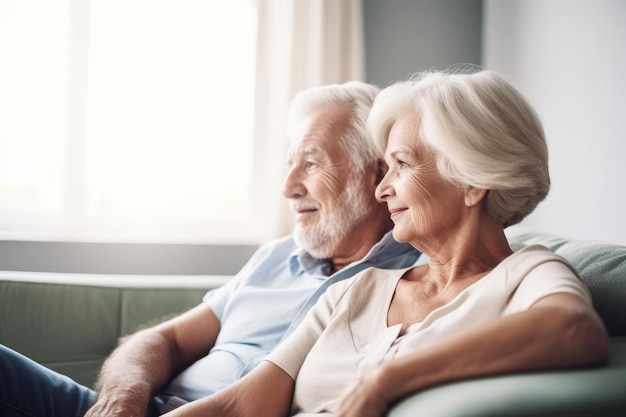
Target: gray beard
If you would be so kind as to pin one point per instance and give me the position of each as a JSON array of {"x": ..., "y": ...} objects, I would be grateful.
[{"x": 323, "y": 239}]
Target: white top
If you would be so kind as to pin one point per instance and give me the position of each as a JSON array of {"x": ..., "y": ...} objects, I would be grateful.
[{"x": 346, "y": 331}]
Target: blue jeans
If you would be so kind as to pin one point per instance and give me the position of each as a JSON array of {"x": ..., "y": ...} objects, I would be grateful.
[{"x": 28, "y": 389}]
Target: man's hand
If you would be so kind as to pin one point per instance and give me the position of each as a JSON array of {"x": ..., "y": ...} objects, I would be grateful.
[{"x": 117, "y": 408}]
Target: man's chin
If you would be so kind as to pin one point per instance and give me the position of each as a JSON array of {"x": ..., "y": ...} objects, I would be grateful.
[{"x": 317, "y": 247}]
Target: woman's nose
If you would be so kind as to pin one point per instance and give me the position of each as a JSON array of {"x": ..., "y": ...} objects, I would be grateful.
[{"x": 383, "y": 189}]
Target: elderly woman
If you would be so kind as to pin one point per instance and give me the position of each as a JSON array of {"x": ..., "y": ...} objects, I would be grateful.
[{"x": 467, "y": 157}]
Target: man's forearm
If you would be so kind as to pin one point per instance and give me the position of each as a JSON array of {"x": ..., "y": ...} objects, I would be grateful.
[
  {"x": 142, "y": 365},
  {"x": 139, "y": 367}
]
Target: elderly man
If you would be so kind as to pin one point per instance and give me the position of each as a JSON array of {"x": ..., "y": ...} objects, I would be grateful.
[{"x": 340, "y": 229}]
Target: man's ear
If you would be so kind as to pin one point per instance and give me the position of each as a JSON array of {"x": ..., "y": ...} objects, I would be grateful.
[
  {"x": 381, "y": 170},
  {"x": 474, "y": 196}
]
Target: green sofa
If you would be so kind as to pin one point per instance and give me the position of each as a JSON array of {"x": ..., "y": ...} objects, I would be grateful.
[{"x": 70, "y": 322}]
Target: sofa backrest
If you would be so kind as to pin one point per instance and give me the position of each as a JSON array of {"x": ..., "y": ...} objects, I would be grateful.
[
  {"x": 601, "y": 265},
  {"x": 71, "y": 322}
]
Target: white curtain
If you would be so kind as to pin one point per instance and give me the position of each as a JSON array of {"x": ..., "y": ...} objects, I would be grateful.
[{"x": 301, "y": 44}]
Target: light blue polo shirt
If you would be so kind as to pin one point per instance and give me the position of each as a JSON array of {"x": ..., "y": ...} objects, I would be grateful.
[{"x": 264, "y": 302}]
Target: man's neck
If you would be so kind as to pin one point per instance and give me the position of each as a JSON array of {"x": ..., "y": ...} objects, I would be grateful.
[{"x": 355, "y": 246}]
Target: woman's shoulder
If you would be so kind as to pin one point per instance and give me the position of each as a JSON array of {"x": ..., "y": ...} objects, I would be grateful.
[
  {"x": 535, "y": 271},
  {"x": 534, "y": 255},
  {"x": 538, "y": 260}
]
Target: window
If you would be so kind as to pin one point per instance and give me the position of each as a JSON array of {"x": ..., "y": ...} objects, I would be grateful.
[{"x": 127, "y": 120}]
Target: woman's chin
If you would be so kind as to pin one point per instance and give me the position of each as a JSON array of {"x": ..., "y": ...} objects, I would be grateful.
[{"x": 399, "y": 235}]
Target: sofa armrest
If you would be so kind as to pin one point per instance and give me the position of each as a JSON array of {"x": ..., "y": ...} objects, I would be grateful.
[{"x": 598, "y": 391}]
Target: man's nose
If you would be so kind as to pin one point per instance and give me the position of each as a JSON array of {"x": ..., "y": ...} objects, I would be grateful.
[{"x": 293, "y": 186}]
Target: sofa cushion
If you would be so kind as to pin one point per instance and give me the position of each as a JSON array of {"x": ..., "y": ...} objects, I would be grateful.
[{"x": 601, "y": 265}]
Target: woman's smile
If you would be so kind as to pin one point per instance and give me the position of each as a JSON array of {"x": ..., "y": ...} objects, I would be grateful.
[{"x": 395, "y": 212}]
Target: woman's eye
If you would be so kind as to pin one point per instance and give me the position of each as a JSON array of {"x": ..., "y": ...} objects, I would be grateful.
[{"x": 401, "y": 163}]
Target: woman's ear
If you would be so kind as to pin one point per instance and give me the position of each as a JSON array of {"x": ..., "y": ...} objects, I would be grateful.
[{"x": 473, "y": 196}]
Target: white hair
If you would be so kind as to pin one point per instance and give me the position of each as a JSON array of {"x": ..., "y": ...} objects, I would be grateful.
[
  {"x": 360, "y": 97},
  {"x": 483, "y": 131}
]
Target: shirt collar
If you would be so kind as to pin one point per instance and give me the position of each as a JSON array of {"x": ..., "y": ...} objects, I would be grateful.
[{"x": 301, "y": 261}]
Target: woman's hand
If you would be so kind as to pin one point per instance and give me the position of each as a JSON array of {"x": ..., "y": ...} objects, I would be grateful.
[{"x": 365, "y": 397}]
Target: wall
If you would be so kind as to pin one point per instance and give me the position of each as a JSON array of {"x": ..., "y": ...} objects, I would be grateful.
[
  {"x": 569, "y": 59},
  {"x": 406, "y": 36}
]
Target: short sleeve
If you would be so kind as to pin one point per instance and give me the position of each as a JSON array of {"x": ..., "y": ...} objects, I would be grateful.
[
  {"x": 550, "y": 274},
  {"x": 218, "y": 298}
]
